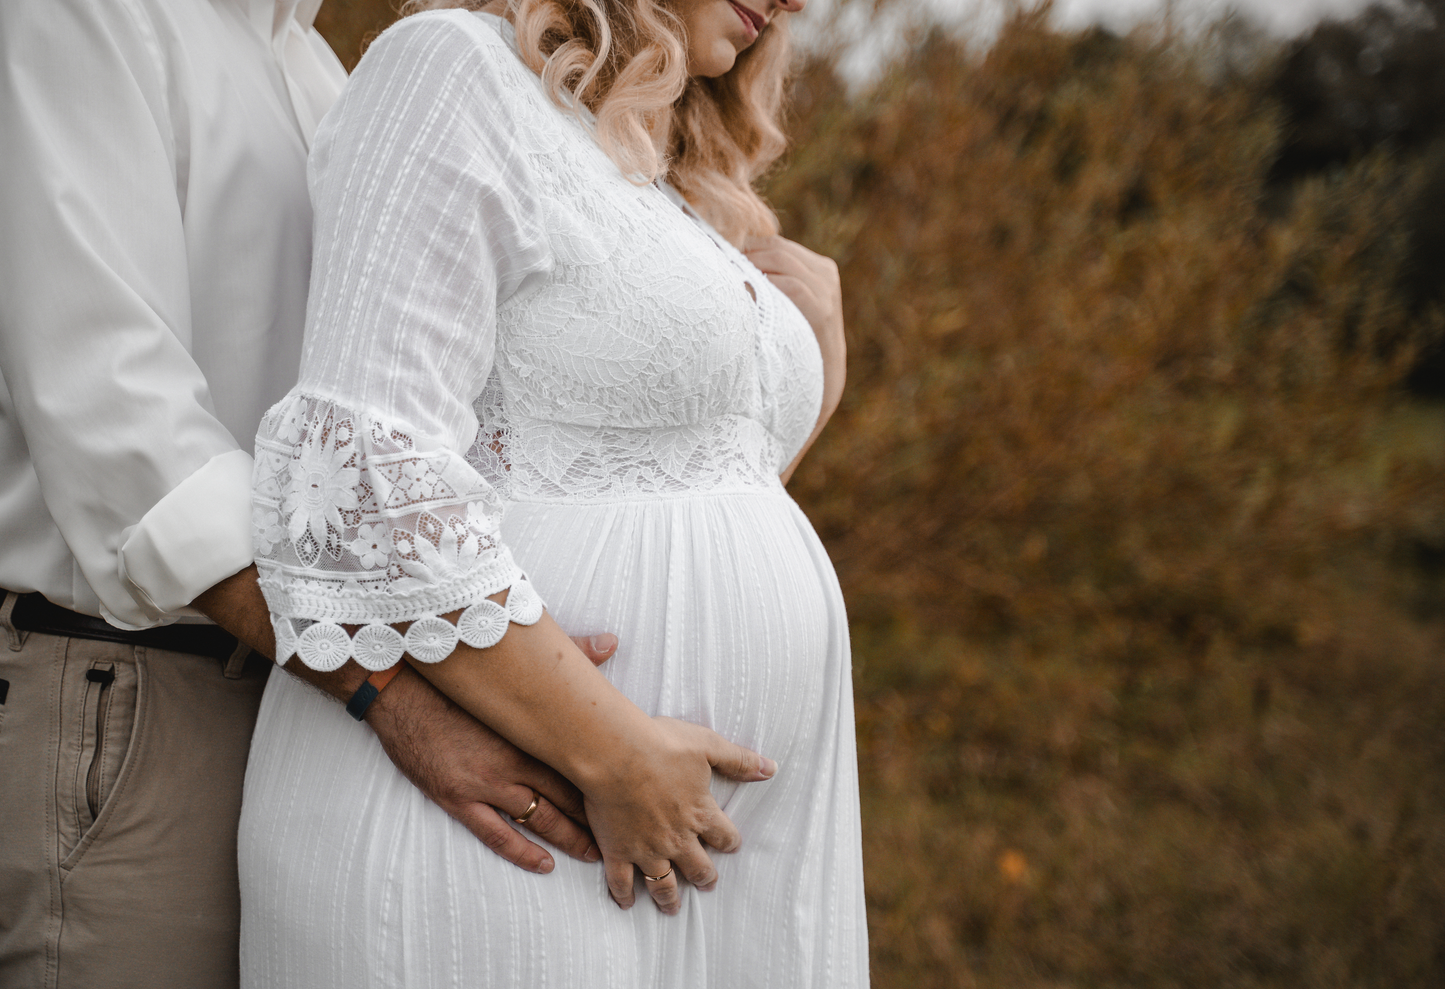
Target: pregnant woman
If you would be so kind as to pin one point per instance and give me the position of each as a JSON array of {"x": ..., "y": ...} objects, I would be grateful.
[{"x": 544, "y": 392}]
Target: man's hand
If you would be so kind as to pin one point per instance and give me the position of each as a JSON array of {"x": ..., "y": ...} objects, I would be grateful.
[
  {"x": 477, "y": 776},
  {"x": 471, "y": 772}
]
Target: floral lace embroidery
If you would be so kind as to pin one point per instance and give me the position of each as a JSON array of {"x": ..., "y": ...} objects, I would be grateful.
[
  {"x": 641, "y": 365},
  {"x": 355, "y": 525}
]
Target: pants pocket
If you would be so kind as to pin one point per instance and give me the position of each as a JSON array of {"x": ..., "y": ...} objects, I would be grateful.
[{"x": 98, "y": 705}]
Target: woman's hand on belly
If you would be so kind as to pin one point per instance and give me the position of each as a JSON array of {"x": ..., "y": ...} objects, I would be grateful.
[
  {"x": 645, "y": 780},
  {"x": 635, "y": 810}
]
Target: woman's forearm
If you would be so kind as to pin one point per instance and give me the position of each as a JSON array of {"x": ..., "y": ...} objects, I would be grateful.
[{"x": 537, "y": 689}]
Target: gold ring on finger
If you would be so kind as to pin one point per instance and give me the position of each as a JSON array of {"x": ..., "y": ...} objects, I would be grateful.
[
  {"x": 531, "y": 809},
  {"x": 657, "y": 879}
]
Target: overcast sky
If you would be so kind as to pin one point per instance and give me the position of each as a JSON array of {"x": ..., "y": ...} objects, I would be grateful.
[
  {"x": 874, "y": 39},
  {"x": 1280, "y": 16}
]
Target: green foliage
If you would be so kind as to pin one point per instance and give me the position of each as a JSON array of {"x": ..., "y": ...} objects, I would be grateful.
[{"x": 1124, "y": 494}]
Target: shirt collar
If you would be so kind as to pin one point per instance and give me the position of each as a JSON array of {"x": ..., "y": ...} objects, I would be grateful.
[
  {"x": 271, "y": 17},
  {"x": 303, "y": 12}
]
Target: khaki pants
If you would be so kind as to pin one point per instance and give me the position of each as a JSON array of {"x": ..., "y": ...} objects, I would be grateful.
[{"x": 120, "y": 789}]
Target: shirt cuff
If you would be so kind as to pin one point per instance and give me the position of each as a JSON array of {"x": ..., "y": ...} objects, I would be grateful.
[{"x": 193, "y": 538}]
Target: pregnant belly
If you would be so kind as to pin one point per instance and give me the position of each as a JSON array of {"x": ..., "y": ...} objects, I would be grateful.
[{"x": 725, "y": 607}]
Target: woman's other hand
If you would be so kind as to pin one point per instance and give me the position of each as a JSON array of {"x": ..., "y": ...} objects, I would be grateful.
[
  {"x": 811, "y": 281},
  {"x": 656, "y": 814}
]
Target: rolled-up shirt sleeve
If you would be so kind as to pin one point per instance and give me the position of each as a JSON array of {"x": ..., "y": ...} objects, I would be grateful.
[{"x": 146, "y": 485}]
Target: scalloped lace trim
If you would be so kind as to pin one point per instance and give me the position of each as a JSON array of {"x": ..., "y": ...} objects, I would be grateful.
[{"x": 326, "y": 646}]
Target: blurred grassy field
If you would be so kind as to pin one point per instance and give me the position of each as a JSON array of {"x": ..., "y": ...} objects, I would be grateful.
[
  {"x": 1142, "y": 537},
  {"x": 1139, "y": 530}
]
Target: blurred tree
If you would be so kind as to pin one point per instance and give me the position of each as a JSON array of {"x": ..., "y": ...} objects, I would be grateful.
[
  {"x": 1350, "y": 86},
  {"x": 1377, "y": 81}
]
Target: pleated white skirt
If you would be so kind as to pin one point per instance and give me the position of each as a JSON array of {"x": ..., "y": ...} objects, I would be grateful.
[{"x": 728, "y": 614}]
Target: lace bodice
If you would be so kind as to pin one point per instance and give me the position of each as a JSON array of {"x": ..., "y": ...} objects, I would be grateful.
[{"x": 496, "y": 314}]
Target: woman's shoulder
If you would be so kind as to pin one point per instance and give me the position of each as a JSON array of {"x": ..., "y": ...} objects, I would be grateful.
[
  {"x": 444, "y": 43},
  {"x": 483, "y": 30}
]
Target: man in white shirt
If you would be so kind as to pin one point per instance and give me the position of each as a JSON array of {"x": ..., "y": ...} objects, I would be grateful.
[{"x": 155, "y": 242}]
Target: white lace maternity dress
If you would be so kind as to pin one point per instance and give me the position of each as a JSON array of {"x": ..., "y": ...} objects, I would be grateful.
[{"x": 639, "y": 386}]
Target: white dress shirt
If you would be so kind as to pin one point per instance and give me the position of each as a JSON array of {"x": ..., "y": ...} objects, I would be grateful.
[{"x": 155, "y": 247}]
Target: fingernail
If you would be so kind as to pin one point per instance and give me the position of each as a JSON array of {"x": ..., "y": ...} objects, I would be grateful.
[
  {"x": 593, "y": 854},
  {"x": 710, "y": 886},
  {"x": 768, "y": 767},
  {"x": 606, "y": 642},
  {"x": 547, "y": 866}
]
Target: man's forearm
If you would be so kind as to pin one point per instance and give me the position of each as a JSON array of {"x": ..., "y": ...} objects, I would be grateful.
[{"x": 238, "y": 606}]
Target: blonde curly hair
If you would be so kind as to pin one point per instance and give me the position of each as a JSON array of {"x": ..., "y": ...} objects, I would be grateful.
[{"x": 626, "y": 62}]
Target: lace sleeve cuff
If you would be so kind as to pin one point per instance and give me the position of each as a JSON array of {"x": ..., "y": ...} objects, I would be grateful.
[
  {"x": 324, "y": 645},
  {"x": 357, "y": 521}
]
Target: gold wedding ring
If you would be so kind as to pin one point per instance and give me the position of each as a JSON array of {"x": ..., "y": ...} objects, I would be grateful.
[
  {"x": 531, "y": 809},
  {"x": 656, "y": 879}
]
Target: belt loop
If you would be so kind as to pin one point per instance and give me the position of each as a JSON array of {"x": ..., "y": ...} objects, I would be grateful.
[
  {"x": 236, "y": 665},
  {"x": 13, "y": 635}
]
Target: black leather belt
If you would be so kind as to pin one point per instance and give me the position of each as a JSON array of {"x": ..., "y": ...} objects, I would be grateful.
[{"x": 33, "y": 613}]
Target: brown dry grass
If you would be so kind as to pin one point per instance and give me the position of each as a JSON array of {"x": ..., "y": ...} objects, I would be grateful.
[
  {"x": 349, "y": 25},
  {"x": 1129, "y": 508},
  {"x": 1124, "y": 495}
]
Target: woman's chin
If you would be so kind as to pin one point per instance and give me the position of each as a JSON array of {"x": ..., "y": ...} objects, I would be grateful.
[{"x": 717, "y": 60}]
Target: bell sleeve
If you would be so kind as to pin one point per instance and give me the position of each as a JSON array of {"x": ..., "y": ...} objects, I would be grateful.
[{"x": 368, "y": 513}]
